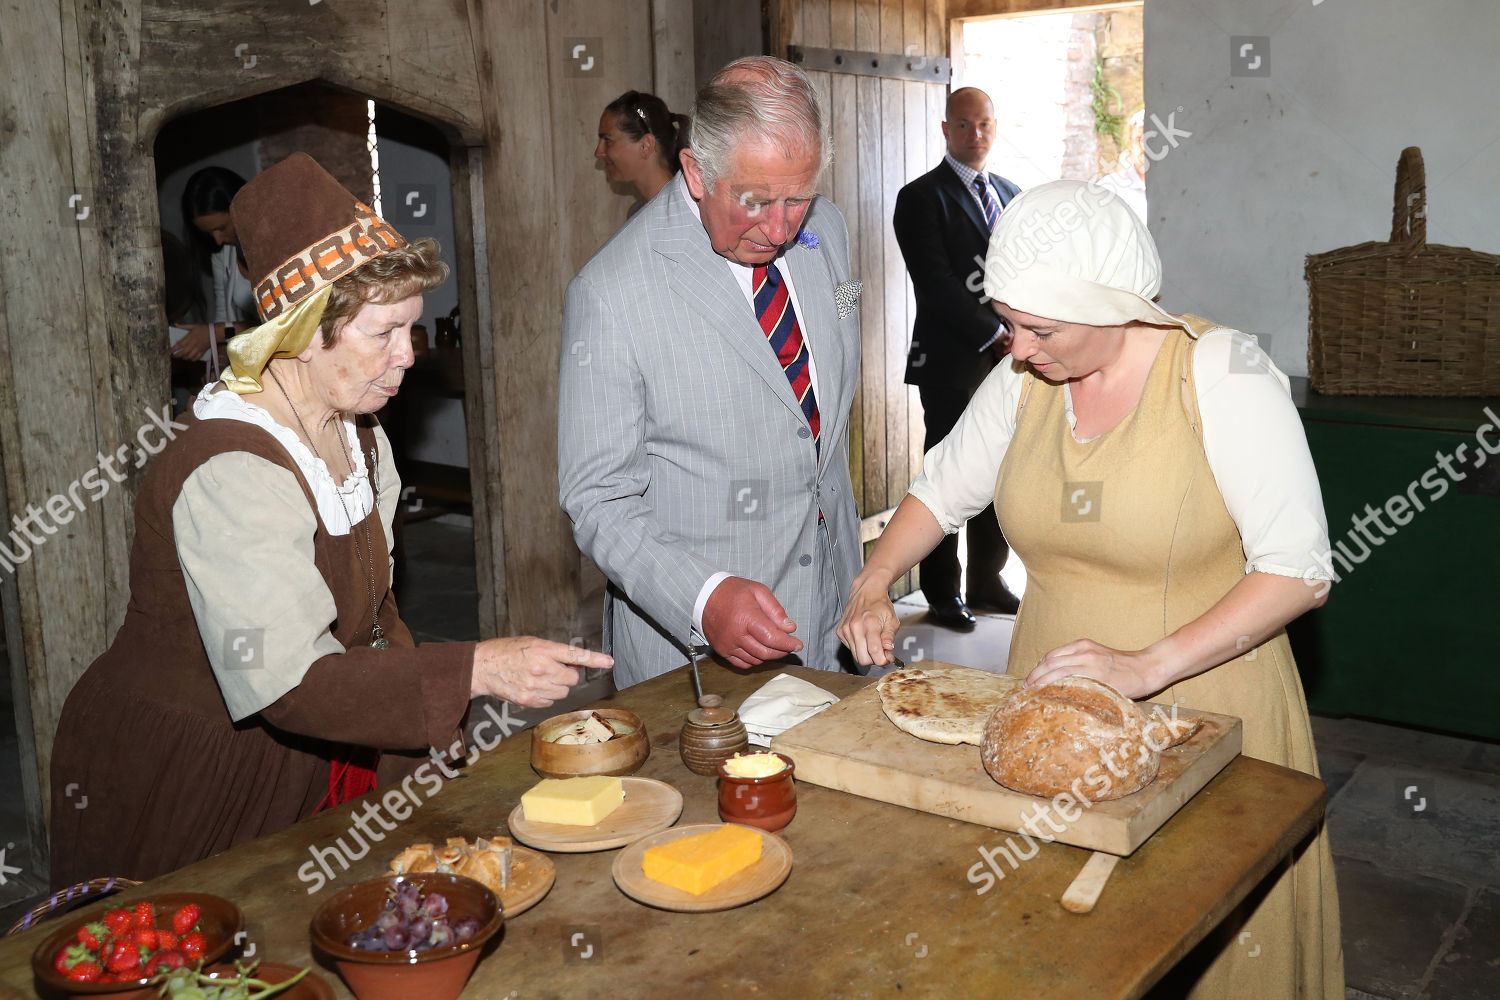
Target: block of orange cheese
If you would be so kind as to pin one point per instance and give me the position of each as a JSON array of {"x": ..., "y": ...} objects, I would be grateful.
[{"x": 698, "y": 863}]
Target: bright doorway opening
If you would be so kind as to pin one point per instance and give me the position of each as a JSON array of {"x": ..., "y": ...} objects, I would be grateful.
[{"x": 1065, "y": 87}]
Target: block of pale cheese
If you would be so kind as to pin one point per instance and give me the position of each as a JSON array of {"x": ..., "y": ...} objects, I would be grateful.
[
  {"x": 698, "y": 863},
  {"x": 573, "y": 801}
]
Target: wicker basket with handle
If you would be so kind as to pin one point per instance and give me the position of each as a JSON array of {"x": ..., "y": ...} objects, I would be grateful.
[
  {"x": 1404, "y": 318},
  {"x": 69, "y": 899}
]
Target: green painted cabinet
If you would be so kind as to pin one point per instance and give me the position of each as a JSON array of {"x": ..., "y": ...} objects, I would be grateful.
[{"x": 1409, "y": 633}]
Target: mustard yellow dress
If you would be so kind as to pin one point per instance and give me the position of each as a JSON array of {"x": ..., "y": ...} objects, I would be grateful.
[{"x": 1157, "y": 551}]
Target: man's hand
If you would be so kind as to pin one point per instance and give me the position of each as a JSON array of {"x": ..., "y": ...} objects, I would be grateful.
[
  {"x": 194, "y": 343},
  {"x": 746, "y": 625},
  {"x": 530, "y": 672}
]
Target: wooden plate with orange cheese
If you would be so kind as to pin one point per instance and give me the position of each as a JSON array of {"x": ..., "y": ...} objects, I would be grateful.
[{"x": 760, "y": 879}]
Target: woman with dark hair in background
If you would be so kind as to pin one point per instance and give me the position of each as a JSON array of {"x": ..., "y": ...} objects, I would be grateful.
[
  {"x": 205, "y": 207},
  {"x": 639, "y": 140}
]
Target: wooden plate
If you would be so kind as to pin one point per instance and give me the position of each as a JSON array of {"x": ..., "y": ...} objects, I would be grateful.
[
  {"x": 760, "y": 879},
  {"x": 531, "y": 875},
  {"x": 649, "y": 806}
]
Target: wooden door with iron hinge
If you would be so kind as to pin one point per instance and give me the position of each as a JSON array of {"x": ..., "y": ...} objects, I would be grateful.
[{"x": 882, "y": 69}]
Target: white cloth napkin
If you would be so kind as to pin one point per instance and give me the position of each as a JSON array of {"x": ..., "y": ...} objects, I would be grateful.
[{"x": 780, "y": 704}]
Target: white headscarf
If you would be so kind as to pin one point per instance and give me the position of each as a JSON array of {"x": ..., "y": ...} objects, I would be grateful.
[{"x": 1074, "y": 252}]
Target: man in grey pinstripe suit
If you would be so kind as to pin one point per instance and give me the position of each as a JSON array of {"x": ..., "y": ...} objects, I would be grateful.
[{"x": 710, "y": 355}]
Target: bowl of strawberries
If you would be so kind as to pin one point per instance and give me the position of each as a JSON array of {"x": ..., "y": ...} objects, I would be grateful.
[{"x": 118, "y": 950}]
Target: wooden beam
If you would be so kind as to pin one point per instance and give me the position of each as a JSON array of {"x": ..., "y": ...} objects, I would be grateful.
[
  {"x": 672, "y": 68},
  {"x": 958, "y": 9},
  {"x": 475, "y": 299},
  {"x": 522, "y": 230},
  {"x": 914, "y": 67},
  {"x": 870, "y": 527},
  {"x": 725, "y": 30},
  {"x": 416, "y": 57}
]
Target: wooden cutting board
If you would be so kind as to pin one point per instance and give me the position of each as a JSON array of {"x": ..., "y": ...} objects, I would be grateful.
[{"x": 851, "y": 746}]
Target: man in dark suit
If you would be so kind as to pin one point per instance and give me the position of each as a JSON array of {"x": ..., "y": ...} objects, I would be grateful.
[{"x": 943, "y": 221}]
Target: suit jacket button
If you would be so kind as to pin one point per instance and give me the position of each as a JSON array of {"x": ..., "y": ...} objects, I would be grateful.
[
  {"x": 805, "y": 560},
  {"x": 804, "y": 433}
]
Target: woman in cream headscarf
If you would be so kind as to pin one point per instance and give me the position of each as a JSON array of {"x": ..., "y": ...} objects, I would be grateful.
[
  {"x": 1151, "y": 472},
  {"x": 262, "y": 666}
]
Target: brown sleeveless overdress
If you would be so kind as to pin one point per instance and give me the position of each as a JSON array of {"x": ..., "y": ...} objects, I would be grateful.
[{"x": 145, "y": 734}]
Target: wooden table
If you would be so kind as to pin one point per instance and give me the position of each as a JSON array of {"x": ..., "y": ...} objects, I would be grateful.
[{"x": 879, "y": 898}]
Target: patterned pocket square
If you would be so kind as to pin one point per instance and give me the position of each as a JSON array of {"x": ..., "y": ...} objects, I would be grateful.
[{"x": 846, "y": 296}]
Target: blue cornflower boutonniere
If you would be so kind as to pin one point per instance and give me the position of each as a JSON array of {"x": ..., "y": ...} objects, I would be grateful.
[{"x": 807, "y": 239}]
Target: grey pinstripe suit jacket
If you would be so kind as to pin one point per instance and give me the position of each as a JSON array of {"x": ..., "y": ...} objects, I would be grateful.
[{"x": 681, "y": 449}]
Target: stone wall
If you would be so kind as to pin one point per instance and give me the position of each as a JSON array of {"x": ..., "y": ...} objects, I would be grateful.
[
  {"x": 1119, "y": 39},
  {"x": 1040, "y": 72},
  {"x": 1080, "y": 144}
]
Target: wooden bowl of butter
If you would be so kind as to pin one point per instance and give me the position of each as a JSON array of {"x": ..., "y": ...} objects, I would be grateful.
[{"x": 591, "y": 741}]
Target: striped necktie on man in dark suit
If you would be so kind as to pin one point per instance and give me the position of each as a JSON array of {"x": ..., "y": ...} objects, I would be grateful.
[{"x": 987, "y": 198}]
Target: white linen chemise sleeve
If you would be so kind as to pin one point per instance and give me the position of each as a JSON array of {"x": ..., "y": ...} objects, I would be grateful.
[
  {"x": 244, "y": 536},
  {"x": 958, "y": 474},
  {"x": 1257, "y": 450}
]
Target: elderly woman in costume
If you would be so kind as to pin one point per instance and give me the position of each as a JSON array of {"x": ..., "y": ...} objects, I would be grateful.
[
  {"x": 263, "y": 671},
  {"x": 1151, "y": 472}
]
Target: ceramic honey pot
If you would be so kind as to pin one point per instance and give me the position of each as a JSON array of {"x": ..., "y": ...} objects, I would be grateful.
[
  {"x": 711, "y": 734},
  {"x": 765, "y": 801}
]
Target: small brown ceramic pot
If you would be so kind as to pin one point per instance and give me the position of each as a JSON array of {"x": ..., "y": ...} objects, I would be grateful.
[
  {"x": 768, "y": 803},
  {"x": 711, "y": 734}
]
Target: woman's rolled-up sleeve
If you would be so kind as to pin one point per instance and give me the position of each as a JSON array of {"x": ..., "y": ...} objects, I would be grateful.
[
  {"x": 1257, "y": 450},
  {"x": 958, "y": 474}
]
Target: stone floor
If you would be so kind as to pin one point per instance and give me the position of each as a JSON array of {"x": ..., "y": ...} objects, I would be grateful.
[{"x": 1414, "y": 816}]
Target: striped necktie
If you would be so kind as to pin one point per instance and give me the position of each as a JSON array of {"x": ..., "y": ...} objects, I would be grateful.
[
  {"x": 778, "y": 320},
  {"x": 987, "y": 199}
]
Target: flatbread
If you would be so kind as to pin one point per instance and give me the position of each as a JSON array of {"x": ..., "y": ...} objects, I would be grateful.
[{"x": 943, "y": 704}]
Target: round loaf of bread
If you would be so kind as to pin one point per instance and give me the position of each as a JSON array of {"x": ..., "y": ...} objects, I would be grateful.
[{"x": 1076, "y": 736}]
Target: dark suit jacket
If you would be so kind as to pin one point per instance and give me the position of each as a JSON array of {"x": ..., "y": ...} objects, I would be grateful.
[{"x": 943, "y": 239}]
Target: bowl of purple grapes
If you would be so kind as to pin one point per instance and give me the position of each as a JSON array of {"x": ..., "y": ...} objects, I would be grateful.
[{"x": 405, "y": 936}]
